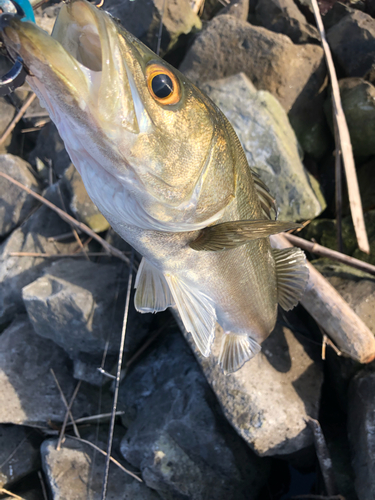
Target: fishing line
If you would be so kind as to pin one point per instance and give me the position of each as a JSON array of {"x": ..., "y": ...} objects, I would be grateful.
[{"x": 117, "y": 383}]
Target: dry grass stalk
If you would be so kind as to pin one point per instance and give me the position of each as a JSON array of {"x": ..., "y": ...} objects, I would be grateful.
[
  {"x": 345, "y": 143},
  {"x": 67, "y": 413},
  {"x": 17, "y": 118},
  {"x": 317, "y": 249},
  {"x": 3, "y": 491},
  {"x": 65, "y": 403}
]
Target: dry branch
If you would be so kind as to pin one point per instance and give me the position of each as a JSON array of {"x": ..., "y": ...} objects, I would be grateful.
[
  {"x": 317, "y": 249},
  {"x": 17, "y": 118},
  {"x": 334, "y": 314},
  {"x": 346, "y": 146},
  {"x": 69, "y": 219}
]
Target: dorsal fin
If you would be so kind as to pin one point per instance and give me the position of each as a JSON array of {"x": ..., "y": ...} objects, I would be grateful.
[
  {"x": 292, "y": 275},
  {"x": 267, "y": 202},
  {"x": 153, "y": 294},
  {"x": 197, "y": 312}
]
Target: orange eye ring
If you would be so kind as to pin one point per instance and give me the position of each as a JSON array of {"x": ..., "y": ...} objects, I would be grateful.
[{"x": 163, "y": 84}]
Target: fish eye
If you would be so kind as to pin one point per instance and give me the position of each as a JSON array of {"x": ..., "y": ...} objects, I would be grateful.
[{"x": 162, "y": 84}]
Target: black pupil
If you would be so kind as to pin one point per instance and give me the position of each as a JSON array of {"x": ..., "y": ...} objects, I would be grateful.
[{"x": 162, "y": 86}]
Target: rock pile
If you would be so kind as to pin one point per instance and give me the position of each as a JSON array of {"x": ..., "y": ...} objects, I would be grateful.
[{"x": 183, "y": 428}]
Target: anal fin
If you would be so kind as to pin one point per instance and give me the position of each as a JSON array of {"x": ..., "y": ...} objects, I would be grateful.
[
  {"x": 235, "y": 351},
  {"x": 197, "y": 312},
  {"x": 292, "y": 275},
  {"x": 153, "y": 294}
]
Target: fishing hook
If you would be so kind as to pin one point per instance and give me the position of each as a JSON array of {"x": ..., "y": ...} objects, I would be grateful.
[{"x": 16, "y": 76}]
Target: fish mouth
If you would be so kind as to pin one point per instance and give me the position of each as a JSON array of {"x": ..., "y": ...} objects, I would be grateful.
[{"x": 82, "y": 65}]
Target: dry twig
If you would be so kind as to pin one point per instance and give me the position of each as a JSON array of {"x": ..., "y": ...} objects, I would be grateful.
[
  {"x": 42, "y": 485},
  {"x": 17, "y": 118},
  {"x": 67, "y": 413},
  {"x": 65, "y": 403},
  {"x": 13, "y": 495},
  {"x": 346, "y": 146},
  {"x": 69, "y": 219},
  {"x": 327, "y": 252}
]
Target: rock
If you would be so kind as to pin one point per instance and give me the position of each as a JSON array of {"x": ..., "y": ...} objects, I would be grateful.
[
  {"x": 7, "y": 113},
  {"x": 358, "y": 102},
  {"x": 28, "y": 392},
  {"x": 80, "y": 306},
  {"x": 142, "y": 19},
  {"x": 338, "y": 11},
  {"x": 15, "y": 204},
  {"x": 45, "y": 17},
  {"x": 270, "y": 145},
  {"x": 271, "y": 395},
  {"x": 19, "y": 453},
  {"x": 32, "y": 236},
  {"x": 76, "y": 471},
  {"x": 182, "y": 447},
  {"x": 237, "y": 8},
  {"x": 294, "y": 74},
  {"x": 50, "y": 147},
  {"x": 283, "y": 16},
  {"x": 361, "y": 424},
  {"x": 352, "y": 42},
  {"x": 81, "y": 205}
]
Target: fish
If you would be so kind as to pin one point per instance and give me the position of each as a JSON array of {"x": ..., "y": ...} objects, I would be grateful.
[{"x": 166, "y": 169}]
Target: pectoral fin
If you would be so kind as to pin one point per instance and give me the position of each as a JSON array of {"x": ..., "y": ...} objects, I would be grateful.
[
  {"x": 228, "y": 235},
  {"x": 197, "y": 312},
  {"x": 153, "y": 294},
  {"x": 235, "y": 351},
  {"x": 292, "y": 275}
]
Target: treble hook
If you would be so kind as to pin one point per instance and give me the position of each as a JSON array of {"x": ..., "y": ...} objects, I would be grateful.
[{"x": 16, "y": 76}]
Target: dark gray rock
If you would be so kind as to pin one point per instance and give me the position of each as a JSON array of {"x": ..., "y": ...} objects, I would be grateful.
[
  {"x": 7, "y": 112},
  {"x": 76, "y": 472},
  {"x": 229, "y": 46},
  {"x": 28, "y": 392},
  {"x": 182, "y": 447},
  {"x": 50, "y": 147},
  {"x": 272, "y": 395},
  {"x": 19, "y": 453},
  {"x": 237, "y": 8},
  {"x": 352, "y": 41},
  {"x": 283, "y": 16},
  {"x": 33, "y": 236},
  {"x": 358, "y": 102},
  {"x": 361, "y": 427},
  {"x": 142, "y": 19},
  {"x": 15, "y": 204},
  {"x": 81, "y": 205},
  {"x": 270, "y": 145},
  {"x": 79, "y": 305},
  {"x": 338, "y": 11}
]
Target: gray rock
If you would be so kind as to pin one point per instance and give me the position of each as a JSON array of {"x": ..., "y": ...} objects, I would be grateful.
[
  {"x": 182, "y": 447},
  {"x": 32, "y": 236},
  {"x": 81, "y": 205},
  {"x": 229, "y": 46},
  {"x": 50, "y": 147},
  {"x": 237, "y": 8},
  {"x": 45, "y": 17},
  {"x": 358, "y": 102},
  {"x": 15, "y": 204},
  {"x": 338, "y": 11},
  {"x": 79, "y": 305},
  {"x": 28, "y": 392},
  {"x": 76, "y": 472},
  {"x": 272, "y": 395},
  {"x": 19, "y": 453},
  {"x": 270, "y": 145},
  {"x": 283, "y": 16},
  {"x": 361, "y": 427},
  {"x": 142, "y": 19},
  {"x": 7, "y": 112},
  {"x": 352, "y": 41}
]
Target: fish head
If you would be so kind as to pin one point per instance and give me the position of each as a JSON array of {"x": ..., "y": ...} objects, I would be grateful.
[{"x": 137, "y": 130}]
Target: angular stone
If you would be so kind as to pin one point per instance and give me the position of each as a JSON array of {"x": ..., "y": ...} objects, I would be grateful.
[
  {"x": 229, "y": 46},
  {"x": 81, "y": 205},
  {"x": 33, "y": 236},
  {"x": 80, "y": 306},
  {"x": 183, "y": 448},
  {"x": 270, "y": 145},
  {"x": 28, "y": 392},
  {"x": 15, "y": 204},
  {"x": 361, "y": 425},
  {"x": 142, "y": 19},
  {"x": 76, "y": 472},
  {"x": 358, "y": 102},
  {"x": 237, "y": 8},
  {"x": 352, "y": 41},
  {"x": 19, "y": 453},
  {"x": 272, "y": 395},
  {"x": 283, "y": 16}
]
